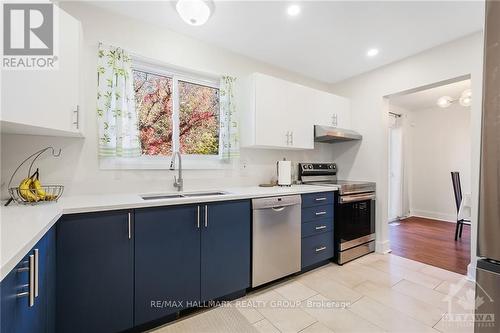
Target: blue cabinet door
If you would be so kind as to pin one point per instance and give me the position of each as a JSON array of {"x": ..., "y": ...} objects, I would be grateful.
[
  {"x": 95, "y": 277},
  {"x": 16, "y": 313},
  {"x": 9, "y": 287},
  {"x": 50, "y": 284},
  {"x": 225, "y": 249},
  {"x": 167, "y": 261}
]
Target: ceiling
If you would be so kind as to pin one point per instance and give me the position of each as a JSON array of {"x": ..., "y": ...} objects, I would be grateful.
[
  {"x": 328, "y": 40},
  {"x": 426, "y": 99}
]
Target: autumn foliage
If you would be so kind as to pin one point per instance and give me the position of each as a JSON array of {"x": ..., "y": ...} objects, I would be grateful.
[{"x": 198, "y": 115}]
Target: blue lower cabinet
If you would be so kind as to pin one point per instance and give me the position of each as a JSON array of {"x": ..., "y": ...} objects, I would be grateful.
[
  {"x": 189, "y": 254},
  {"x": 317, "y": 213},
  {"x": 167, "y": 261},
  {"x": 17, "y": 314},
  {"x": 316, "y": 249},
  {"x": 225, "y": 249},
  {"x": 316, "y": 227},
  {"x": 95, "y": 272}
]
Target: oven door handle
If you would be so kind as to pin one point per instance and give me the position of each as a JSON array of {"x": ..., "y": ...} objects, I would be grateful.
[{"x": 356, "y": 197}]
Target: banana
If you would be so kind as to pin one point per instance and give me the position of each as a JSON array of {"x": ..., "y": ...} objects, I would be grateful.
[
  {"x": 26, "y": 191},
  {"x": 36, "y": 187}
]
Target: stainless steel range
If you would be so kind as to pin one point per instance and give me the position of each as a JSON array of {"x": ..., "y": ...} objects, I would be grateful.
[{"x": 354, "y": 228}]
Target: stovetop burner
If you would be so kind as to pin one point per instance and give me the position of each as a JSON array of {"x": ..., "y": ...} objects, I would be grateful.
[{"x": 325, "y": 174}]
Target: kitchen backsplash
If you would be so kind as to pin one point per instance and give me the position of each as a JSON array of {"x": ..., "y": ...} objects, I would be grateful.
[{"x": 78, "y": 170}]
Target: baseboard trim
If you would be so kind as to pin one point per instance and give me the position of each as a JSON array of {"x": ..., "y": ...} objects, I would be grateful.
[
  {"x": 383, "y": 247},
  {"x": 434, "y": 216},
  {"x": 471, "y": 270}
]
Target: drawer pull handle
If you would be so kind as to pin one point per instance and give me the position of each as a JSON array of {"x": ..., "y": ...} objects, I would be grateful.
[
  {"x": 320, "y": 199},
  {"x": 320, "y": 213},
  {"x": 36, "y": 251},
  {"x": 321, "y": 227},
  {"x": 321, "y": 249}
]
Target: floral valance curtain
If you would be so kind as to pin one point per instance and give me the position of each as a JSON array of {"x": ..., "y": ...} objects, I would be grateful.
[
  {"x": 117, "y": 119},
  {"x": 230, "y": 140}
]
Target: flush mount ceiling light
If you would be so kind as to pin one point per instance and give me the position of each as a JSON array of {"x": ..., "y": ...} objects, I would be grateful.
[
  {"x": 444, "y": 101},
  {"x": 194, "y": 12},
  {"x": 372, "y": 52},
  {"x": 293, "y": 10},
  {"x": 465, "y": 98}
]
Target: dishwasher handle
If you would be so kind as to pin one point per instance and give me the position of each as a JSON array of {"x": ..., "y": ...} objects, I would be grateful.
[{"x": 276, "y": 203}]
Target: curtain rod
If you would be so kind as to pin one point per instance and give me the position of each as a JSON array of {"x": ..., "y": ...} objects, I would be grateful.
[{"x": 397, "y": 115}]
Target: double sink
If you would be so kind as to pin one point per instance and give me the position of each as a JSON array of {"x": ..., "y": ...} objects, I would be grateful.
[{"x": 181, "y": 195}]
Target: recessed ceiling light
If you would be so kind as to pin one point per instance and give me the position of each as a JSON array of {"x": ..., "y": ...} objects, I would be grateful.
[
  {"x": 372, "y": 52},
  {"x": 194, "y": 12},
  {"x": 293, "y": 10}
]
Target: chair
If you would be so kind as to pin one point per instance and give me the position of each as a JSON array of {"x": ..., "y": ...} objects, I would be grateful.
[{"x": 457, "y": 188}]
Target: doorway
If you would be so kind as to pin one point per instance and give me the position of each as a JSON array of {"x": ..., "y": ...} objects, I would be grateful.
[{"x": 429, "y": 138}]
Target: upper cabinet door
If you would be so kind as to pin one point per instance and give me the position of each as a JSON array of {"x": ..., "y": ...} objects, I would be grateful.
[
  {"x": 271, "y": 114},
  {"x": 225, "y": 249},
  {"x": 95, "y": 272},
  {"x": 331, "y": 110},
  {"x": 46, "y": 101},
  {"x": 300, "y": 105}
]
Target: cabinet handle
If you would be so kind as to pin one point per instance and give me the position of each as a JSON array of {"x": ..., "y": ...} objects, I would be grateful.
[
  {"x": 321, "y": 249},
  {"x": 321, "y": 227},
  {"x": 291, "y": 136},
  {"x": 198, "y": 217},
  {"x": 320, "y": 213},
  {"x": 77, "y": 120},
  {"x": 206, "y": 216},
  {"x": 31, "y": 286},
  {"x": 320, "y": 199},
  {"x": 129, "y": 225},
  {"x": 36, "y": 251}
]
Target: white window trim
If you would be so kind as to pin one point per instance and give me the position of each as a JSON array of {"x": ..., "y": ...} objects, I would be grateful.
[{"x": 194, "y": 162}]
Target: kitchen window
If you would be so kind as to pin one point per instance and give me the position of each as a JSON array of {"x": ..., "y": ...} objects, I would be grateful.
[{"x": 176, "y": 111}]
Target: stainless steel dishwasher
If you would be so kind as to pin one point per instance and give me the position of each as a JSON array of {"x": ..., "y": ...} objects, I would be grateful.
[{"x": 276, "y": 238}]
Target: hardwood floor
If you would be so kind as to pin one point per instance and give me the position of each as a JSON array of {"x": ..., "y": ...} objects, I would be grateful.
[{"x": 431, "y": 242}]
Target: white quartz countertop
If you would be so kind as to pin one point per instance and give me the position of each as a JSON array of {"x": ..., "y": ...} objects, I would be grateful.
[{"x": 21, "y": 227}]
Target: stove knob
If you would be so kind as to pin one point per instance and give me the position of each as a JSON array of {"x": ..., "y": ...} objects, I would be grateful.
[
  {"x": 310, "y": 166},
  {"x": 330, "y": 166}
]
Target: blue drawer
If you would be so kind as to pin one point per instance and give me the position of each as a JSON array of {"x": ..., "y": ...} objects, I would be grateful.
[
  {"x": 316, "y": 227},
  {"x": 317, "y": 213},
  {"x": 317, "y": 248},
  {"x": 317, "y": 199}
]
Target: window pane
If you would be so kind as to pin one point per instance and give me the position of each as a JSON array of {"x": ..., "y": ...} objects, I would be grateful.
[
  {"x": 153, "y": 102},
  {"x": 198, "y": 119}
]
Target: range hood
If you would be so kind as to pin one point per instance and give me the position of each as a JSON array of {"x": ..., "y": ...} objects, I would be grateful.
[{"x": 333, "y": 134}]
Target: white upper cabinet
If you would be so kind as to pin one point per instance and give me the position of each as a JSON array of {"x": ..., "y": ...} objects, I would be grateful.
[
  {"x": 331, "y": 110},
  {"x": 46, "y": 102},
  {"x": 282, "y": 114}
]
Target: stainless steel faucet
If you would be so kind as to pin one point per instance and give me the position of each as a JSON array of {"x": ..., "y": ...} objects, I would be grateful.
[{"x": 178, "y": 181}]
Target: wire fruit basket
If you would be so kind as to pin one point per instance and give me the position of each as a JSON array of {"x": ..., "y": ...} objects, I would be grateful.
[
  {"x": 30, "y": 191},
  {"x": 51, "y": 193}
]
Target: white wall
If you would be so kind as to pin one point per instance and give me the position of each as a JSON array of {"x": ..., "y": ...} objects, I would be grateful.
[
  {"x": 369, "y": 115},
  {"x": 439, "y": 142},
  {"x": 78, "y": 168}
]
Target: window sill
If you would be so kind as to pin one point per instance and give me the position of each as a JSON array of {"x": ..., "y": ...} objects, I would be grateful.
[{"x": 163, "y": 163}]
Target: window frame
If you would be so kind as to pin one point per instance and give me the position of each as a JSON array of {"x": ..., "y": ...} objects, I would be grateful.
[{"x": 191, "y": 161}]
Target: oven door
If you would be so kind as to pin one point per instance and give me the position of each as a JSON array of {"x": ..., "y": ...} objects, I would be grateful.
[{"x": 354, "y": 220}]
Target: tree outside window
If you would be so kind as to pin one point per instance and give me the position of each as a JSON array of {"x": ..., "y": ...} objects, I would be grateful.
[{"x": 196, "y": 112}]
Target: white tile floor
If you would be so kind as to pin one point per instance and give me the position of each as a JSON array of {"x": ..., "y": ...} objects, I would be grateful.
[{"x": 376, "y": 293}]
